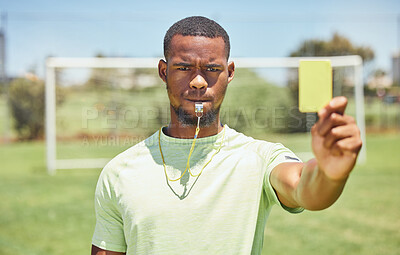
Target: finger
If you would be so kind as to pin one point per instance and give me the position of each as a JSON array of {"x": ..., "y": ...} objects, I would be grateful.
[
  {"x": 338, "y": 133},
  {"x": 347, "y": 146},
  {"x": 337, "y": 105},
  {"x": 351, "y": 144},
  {"x": 334, "y": 120}
]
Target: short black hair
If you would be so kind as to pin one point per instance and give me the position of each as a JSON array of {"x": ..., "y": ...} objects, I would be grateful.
[{"x": 196, "y": 26}]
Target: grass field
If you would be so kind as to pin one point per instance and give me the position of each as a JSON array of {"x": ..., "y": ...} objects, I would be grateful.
[{"x": 45, "y": 215}]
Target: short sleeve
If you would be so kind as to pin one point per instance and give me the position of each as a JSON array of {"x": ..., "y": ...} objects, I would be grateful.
[
  {"x": 108, "y": 233},
  {"x": 278, "y": 154}
]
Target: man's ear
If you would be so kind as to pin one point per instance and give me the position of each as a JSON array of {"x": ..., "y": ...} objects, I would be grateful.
[
  {"x": 231, "y": 71},
  {"x": 162, "y": 70}
]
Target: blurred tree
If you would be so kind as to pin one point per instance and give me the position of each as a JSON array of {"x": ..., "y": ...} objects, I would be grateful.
[
  {"x": 27, "y": 102},
  {"x": 338, "y": 45},
  {"x": 121, "y": 78}
]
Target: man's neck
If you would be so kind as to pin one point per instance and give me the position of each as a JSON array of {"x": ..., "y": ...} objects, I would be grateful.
[{"x": 177, "y": 130}]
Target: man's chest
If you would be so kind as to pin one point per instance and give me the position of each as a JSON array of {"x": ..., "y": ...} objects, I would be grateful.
[{"x": 229, "y": 187}]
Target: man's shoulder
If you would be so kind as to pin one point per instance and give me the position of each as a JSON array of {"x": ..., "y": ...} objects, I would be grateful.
[
  {"x": 126, "y": 157},
  {"x": 240, "y": 141}
]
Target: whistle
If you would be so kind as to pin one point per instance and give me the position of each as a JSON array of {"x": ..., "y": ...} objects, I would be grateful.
[{"x": 198, "y": 107}]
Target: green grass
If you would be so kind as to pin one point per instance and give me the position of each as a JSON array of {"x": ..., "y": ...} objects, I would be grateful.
[{"x": 43, "y": 214}]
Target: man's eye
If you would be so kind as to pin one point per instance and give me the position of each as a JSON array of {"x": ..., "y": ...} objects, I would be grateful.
[
  {"x": 183, "y": 68},
  {"x": 212, "y": 69}
]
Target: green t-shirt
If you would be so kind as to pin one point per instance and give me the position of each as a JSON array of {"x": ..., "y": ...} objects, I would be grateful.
[{"x": 222, "y": 211}]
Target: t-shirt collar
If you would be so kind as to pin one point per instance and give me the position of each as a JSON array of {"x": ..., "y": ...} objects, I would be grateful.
[{"x": 203, "y": 140}]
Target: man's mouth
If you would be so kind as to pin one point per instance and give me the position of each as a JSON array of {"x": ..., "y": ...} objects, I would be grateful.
[{"x": 194, "y": 100}]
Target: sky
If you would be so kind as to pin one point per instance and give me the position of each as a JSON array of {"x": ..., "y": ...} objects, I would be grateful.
[{"x": 37, "y": 29}]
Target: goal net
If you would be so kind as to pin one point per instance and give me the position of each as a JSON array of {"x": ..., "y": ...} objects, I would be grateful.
[{"x": 97, "y": 107}]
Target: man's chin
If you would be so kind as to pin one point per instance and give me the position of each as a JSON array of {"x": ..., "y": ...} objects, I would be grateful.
[{"x": 187, "y": 119}]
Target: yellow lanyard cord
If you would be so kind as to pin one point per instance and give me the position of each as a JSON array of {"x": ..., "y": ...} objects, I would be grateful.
[{"x": 190, "y": 154}]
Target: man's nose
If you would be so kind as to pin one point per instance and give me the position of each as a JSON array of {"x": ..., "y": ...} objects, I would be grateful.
[{"x": 198, "y": 82}]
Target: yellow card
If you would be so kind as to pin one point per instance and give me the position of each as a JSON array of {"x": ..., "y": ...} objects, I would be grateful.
[{"x": 315, "y": 84}]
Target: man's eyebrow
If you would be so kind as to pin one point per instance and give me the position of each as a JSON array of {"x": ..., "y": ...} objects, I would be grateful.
[
  {"x": 181, "y": 64},
  {"x": 189, "y": 65},
  {"x": 213, "y": 65}
]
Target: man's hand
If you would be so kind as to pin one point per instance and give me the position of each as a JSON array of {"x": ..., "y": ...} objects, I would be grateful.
[
  {"x": 318, "y": 183},
  {"x": 335, "y": 140}
]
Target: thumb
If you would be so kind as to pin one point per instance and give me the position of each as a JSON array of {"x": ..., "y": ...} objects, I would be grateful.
[{"x": 336, "y": 105}]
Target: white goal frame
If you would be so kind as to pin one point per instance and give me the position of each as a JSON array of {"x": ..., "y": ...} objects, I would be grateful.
[{"x": 288, "y": 62}]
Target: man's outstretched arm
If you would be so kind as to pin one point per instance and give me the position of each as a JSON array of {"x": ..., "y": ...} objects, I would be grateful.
[
  {"x": 97, "y": 251},
  {"x": 317, "y": 184}
]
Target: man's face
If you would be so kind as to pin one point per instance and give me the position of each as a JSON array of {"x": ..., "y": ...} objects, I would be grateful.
[{"x": 196, "y": 71}]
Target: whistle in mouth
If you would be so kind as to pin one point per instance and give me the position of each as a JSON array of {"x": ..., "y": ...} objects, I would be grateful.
[{"x": 198, "y": 107}]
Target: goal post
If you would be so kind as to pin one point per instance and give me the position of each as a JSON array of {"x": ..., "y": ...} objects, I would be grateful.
[
  {"x": 52, "y": 64},
  {"x": 50, "y": 110}
]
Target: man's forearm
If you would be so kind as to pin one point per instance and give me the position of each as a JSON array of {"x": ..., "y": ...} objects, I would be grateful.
[{"x": 315, "y": 191}]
